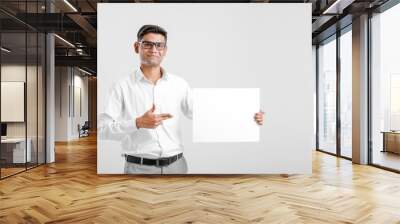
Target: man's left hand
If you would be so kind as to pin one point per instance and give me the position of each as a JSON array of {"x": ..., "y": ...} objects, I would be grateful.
[{"x": 259, "y": 117}]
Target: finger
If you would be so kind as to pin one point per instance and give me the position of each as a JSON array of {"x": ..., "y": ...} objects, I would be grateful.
[
  {"x": 165, "y": 115},
  {"x": 160, "y": 119},
  {"x": 164, "y": 118}
]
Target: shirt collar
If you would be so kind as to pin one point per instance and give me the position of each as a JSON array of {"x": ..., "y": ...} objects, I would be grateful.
[{"x": 139, "y": 76}]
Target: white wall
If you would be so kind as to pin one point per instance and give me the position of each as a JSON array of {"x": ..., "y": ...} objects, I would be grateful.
[
  {"x": 314, "y": 73},
  {"x": 67, "y": 116},
  {"x": 79, "y": 117},
  {"x": 61, "y": 103},
  {"x": 15, "y": 72}
]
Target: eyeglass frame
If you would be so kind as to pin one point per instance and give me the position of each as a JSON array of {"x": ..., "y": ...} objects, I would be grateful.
[{"x": 153, "y": 44}]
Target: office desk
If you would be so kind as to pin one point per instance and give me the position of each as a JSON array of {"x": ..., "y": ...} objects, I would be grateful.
[
  {"x": 13, "y": 150},
  {"x": 391, "y": 141}
]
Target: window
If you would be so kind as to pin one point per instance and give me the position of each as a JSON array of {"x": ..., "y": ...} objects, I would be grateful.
[
  {"x": 346, "y": 93},
  {"x": 385, "y": 89},
  {"x": 327, "y": 96}
]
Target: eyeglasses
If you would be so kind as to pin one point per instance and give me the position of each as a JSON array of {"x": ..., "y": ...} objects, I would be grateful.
[{"x": 149, "y": 45}]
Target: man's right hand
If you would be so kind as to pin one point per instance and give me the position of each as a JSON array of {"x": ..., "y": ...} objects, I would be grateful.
[{"x": 151, "y": 120}]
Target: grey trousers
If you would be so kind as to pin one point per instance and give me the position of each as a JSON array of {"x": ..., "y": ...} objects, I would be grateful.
[{"x": 177, "y": 167}]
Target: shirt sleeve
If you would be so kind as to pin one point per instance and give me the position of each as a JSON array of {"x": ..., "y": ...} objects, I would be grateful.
[
  {"x": 187, "y": 102},
  {"x": 111, "y": 126}
]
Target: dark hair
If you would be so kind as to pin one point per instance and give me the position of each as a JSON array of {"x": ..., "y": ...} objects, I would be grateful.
[{"x": 151, "y": 29}]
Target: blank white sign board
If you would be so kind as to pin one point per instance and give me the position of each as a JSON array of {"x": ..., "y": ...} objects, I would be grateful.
[
  {"x": 225, "y": 114},
  {"x": 12, "y": 101}
]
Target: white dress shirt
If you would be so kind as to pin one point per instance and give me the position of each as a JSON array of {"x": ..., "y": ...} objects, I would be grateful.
[{"x": 130, "y": 98}]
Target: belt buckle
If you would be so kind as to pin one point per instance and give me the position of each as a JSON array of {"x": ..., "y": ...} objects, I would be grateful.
[{"x": 161, "y": 159}]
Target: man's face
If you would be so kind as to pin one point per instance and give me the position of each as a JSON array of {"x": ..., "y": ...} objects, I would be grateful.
[{"x": 151, "y": 49}]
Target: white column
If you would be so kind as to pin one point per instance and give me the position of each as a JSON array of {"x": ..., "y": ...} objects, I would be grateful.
[
  {"x": 50, "y": 92},
  {"x": 360, "y": 90},
  {"x": 50, "y": 100}
]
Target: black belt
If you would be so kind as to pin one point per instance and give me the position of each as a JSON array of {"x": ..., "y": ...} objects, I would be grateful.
[{"x": 153, "y": 162}]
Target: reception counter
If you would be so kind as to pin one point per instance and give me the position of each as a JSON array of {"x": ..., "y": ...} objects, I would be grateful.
[{"x": 391, "y": 141}]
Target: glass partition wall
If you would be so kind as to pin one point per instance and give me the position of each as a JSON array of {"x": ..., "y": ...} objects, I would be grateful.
[
  {"x": 327, "y": 95},
  {"x": 22, "y": 77},
  {"x": 345, "y": 62},
  {"x": 334, "y": 91},
  {"x": 385, "y": 89},
  {"x": 334, "y": 75}
]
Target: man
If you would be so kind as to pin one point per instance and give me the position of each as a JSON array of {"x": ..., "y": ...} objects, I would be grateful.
[{"x": 143, "y": 110}]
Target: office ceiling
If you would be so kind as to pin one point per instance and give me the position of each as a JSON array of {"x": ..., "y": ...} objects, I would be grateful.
[{"x": 77, "y": 23}]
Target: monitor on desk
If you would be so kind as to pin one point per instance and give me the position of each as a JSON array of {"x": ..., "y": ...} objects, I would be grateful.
[{"x": 3, "y": 130}]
